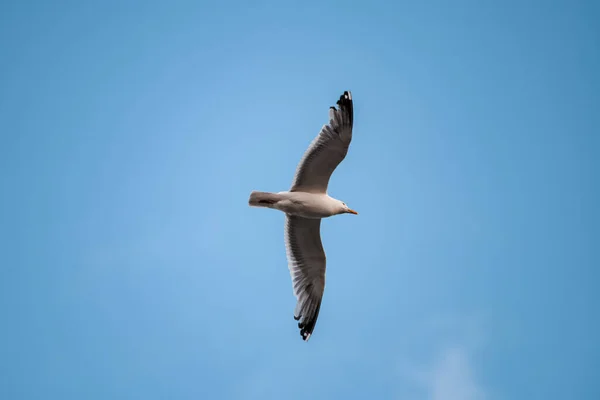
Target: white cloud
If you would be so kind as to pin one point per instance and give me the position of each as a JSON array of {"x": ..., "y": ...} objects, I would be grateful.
[
  {"x": 452, "y": 377},
  {"x": 448, "y": 372}
]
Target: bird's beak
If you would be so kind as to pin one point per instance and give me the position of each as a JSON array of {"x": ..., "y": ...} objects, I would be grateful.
[{"x": 352, "y": 212}]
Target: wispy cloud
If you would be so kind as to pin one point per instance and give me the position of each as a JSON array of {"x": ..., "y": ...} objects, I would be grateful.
[
  {"x": 449, "y": 372},
  {"x": 452, "y": 377}
]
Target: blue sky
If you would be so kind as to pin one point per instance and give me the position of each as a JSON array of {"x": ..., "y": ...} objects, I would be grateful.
[{"x": 133, "y": 133}]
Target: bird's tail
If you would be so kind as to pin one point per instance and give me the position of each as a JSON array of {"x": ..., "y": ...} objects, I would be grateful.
[{"x": 263, "y": 199}]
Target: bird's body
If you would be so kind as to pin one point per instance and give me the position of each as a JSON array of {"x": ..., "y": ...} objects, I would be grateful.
[
  {"x": 300, "y": 204},
  {"x": 305, "y": 204}
]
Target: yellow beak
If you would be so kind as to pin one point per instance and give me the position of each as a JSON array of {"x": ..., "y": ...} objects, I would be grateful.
[{"x": 352, "y": 212}]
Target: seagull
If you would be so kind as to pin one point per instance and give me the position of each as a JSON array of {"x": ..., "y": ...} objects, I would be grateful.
[{"x": 305, "y": 204}]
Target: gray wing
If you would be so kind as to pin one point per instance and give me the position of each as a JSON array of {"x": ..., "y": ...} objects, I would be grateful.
[
  {"x": 306, "y": 261},
  {"x": 327, "y": 150}
]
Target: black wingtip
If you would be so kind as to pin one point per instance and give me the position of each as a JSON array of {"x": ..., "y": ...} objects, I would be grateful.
[
  {"x": 307, "y": 326},
  {"x": 345, "y": 102},
  {"x": 345, "y": 98},
  {"x": 346, "y": 107}
]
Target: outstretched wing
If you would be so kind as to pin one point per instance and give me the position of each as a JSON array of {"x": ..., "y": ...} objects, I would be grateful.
[
  {"x": 327, "y": 150},
  {"x": 306, "y": 261}
]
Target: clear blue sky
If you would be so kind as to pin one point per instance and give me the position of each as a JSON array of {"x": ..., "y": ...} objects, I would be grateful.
[{"x": 131, "y": 266}]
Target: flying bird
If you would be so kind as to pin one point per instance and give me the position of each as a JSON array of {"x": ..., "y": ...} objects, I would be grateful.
[{"x": 305, "y": 204}]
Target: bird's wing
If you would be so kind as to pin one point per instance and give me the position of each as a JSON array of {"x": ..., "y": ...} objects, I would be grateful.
[
  {"x": 306, "y": 261},
  {"x": 327, "y": 150}
]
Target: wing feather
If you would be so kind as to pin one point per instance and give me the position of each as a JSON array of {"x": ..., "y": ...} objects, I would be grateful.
[
  {"x": 306, "y": 262},
  {"x": 327, "y": 150}
]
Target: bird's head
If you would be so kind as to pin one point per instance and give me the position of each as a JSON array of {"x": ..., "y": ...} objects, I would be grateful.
[{"x": 344, "y": 209}]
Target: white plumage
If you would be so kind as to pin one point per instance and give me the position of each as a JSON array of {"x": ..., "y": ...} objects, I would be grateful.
[{"x": 305, "y": 204}]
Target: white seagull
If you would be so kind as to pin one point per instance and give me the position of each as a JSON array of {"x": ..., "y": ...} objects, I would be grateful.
[{"x": 305, "y": 204}]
